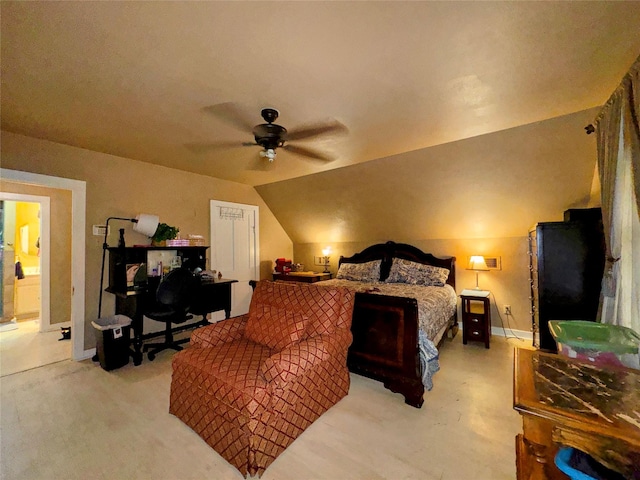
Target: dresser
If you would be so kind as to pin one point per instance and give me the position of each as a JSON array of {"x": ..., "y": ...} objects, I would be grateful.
[
  {"x": 566, "y": 263},
  {"x": 564, "y": 402}
]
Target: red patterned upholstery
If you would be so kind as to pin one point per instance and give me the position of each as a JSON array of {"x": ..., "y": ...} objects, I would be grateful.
[
  {"x": 275, "y": 327},
  {"x": 248, "y": 400}
]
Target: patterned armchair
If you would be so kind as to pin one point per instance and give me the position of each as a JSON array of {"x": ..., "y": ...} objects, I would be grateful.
[{"x": 250, "y": 385}]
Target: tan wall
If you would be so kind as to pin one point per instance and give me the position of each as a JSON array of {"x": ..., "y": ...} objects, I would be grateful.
[
  {"x": 122, "y": 187},
  {"x": 594, "y": 197},
  {"x": 510, "y": 285},
  {"x": 60, "y": 259},
  {"x": 475, "y": 196}
]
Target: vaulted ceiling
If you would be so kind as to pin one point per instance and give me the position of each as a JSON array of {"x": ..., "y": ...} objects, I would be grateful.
[{"x": 134, "y": 78}]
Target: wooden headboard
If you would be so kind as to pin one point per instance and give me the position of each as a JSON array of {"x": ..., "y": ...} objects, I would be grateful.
[{"x": 387, "y": 251}]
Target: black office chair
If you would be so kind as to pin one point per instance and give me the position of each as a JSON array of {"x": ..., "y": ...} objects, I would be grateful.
[{"x": 173, "y": 300}]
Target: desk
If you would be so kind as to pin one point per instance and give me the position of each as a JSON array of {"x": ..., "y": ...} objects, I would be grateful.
[
  {"x": 212, "y": 296},
  {"x": 565, "y": 402}
]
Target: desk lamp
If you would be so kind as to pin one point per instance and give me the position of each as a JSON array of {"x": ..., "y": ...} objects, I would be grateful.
[
  {"x": 477, "y": 264},
  {"x": 143, "y": 223}
]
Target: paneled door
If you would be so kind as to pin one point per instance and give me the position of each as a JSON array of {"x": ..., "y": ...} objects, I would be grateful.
[{"x": 235, "y": 250}]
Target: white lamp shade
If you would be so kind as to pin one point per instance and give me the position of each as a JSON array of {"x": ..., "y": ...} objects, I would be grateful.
[
  {"x": 146, "y": 224},
  {"x": 476, "y": 262}
]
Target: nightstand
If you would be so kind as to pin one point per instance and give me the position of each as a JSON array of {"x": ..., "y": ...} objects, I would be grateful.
[
  {"x": 476, "y": 317},
  {"x": 304, "y": 277}
]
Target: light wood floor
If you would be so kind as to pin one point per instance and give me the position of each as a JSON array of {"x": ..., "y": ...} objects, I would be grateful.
[
  {"x": 73, "y": 420},
  {"x": 25, "y": 348}
]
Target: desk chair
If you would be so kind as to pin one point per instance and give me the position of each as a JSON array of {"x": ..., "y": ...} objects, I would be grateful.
[{"x": 173, "y": 300}]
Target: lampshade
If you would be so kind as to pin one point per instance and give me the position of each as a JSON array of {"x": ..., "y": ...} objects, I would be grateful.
[
  {"x": 325, "y": 252},
  {"x": 476, "y": 262},
  {"x": 146, "y": 224}
]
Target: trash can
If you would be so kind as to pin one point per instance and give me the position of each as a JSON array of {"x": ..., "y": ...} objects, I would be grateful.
[
  {"x": 578, "y": 465},
  {"x": 599, "y": 343},
  {"x": 112, "y": 341}
]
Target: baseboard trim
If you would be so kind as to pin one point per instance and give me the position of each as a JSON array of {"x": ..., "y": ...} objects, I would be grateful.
[
  {"x": 86, "y": 355},
  {"x": 511, "y": 333},
  {"x": 57, "y": 326}
]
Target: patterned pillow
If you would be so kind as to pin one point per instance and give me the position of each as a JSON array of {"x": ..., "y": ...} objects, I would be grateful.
[
  {"x": 360, "y": 272},
  {"x": 275, "y": 327},
  {"x": 406, "y": 271}
]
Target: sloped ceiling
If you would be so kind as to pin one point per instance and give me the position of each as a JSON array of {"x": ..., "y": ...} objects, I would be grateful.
[
  {"x": 132, "y": 78},
  {"x": 491, "y": 186}
]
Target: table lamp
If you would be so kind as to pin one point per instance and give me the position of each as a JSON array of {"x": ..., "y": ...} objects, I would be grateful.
[
  {"x": 325, "y": 253},
  {"x": 477, "y": 264}
]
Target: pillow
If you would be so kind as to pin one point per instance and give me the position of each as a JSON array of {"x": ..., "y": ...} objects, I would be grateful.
[
  {"x": 360, "y": 272},
  {"x": 275, "y": 327},
  {"x": 413, "y": 273}
]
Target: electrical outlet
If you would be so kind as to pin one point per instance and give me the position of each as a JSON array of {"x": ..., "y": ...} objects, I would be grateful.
[{"x": 507, "y": 310}]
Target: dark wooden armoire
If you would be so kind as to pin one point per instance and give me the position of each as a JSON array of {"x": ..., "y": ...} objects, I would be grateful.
[{"x": 566, "y": 264}]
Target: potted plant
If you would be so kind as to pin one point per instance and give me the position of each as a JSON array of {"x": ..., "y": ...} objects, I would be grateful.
[{"x": 163, "y": 233}]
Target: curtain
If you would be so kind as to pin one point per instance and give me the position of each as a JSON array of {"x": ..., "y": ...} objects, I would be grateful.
[
  {"x": 608, "y": 129},
  {"x": 618, "y": 138},
  {"x": 632, "y": 121}
]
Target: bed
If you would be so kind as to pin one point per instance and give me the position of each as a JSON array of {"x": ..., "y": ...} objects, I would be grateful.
[{"x": 405, "y": 307}]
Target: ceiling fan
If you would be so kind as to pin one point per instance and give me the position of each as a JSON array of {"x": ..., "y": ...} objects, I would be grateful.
[{"x": 271, "y": 136}]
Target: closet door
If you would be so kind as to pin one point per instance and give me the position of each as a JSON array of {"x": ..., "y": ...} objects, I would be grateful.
[{"x": 235, "y": 250}]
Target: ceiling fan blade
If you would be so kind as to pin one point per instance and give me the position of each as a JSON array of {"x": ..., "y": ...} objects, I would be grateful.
[
  {"x": 333, "y": 127},
  {"x": 205, "y": 147},
  {"x": 232, "y": 114},
  {"x": 306, "y": 152}
]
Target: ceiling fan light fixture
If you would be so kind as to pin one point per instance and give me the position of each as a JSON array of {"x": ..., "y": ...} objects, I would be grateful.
[
  {"x": 271, "y": 136},
  {"x": 268, "y": 153}
]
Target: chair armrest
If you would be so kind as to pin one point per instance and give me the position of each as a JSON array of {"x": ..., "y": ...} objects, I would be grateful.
[
  {"x": 218, "y": 333},
  {"x": 286, "y": 365},
  {"x": 292, "y": 362},
  {"x": 338, "y": 342}
]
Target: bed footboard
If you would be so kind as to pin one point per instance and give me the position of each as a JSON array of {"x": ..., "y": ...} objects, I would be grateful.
[{"x": 385, "y": 344}]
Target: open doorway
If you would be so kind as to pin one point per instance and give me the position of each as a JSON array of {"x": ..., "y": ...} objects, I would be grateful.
[
  {"x": 74, "y": 213},
  {"x": 27, "y": 339},
  {"x": 19, "y": 263},
  {"x": 26, "y": 252}
]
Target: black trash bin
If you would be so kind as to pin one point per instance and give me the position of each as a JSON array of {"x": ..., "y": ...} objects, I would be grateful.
[{"x": 112, "y": 341}]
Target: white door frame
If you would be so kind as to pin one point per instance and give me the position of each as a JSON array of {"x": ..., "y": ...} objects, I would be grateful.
[
  {"x": 78, "y": 190},
  {"x": 45, "y": 252}
]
